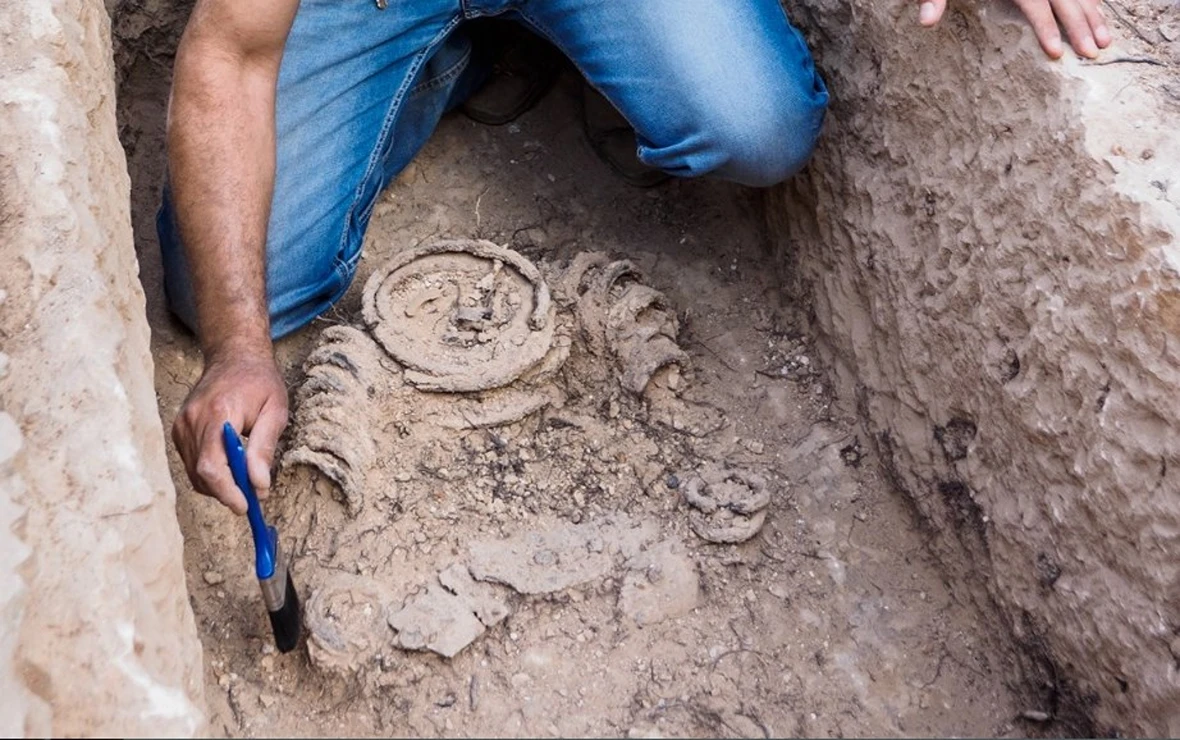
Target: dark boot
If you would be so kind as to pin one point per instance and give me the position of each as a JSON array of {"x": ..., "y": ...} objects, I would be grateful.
[{"x": 523, "y": 68}]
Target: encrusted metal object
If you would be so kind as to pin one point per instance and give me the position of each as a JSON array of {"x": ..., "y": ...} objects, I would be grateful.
[{"x": 460, "y": 315}]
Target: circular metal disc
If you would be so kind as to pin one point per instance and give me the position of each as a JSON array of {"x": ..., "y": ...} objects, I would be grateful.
[{"x": 460, "y": 315}]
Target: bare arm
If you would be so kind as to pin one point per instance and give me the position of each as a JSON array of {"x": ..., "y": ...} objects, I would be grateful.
[{"x": 221, "y": 157}]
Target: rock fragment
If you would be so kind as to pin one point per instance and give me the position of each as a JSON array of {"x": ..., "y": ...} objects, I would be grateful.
[
  {"x": 438, "y": 621},
  {"x": 448, "y": 616},
  {"x": 558, "y": 557}
]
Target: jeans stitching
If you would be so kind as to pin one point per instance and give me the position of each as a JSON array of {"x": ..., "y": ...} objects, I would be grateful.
[
  {"x": 438, "y": 80},
  {"x": 345, "y": 267}
]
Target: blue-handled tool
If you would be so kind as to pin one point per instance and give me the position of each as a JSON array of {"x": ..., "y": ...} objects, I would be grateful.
[{"x": 278, "y": 589}]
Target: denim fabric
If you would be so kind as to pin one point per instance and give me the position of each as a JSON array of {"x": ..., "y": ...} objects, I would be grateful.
[{"x": 713, "y": 87}]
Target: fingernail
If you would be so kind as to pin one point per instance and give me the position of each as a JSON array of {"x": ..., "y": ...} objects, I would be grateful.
[
  {"x": 926, "y": 13},
  {"x": 1055, "y": 49},
  {"x": 1102, "y": 36},
  {"x": 1089, "y": 50}
]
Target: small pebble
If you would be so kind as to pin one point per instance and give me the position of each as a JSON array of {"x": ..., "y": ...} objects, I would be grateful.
[
  {"x": 754, "y": 446},
  {"x": 673, "y": 481},
  {"x": 266, "y": 700},
  {"x": 213, "y": 578},
  {"x": 1035, "y": 715}
]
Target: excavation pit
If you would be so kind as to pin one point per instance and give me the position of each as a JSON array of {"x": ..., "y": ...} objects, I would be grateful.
[{"x": 952, "y": 365}]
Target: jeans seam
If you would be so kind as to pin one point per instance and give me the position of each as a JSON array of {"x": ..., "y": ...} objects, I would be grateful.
[
  {"x": 438, "y": 80},
  {"x": 343, "y": 266}
]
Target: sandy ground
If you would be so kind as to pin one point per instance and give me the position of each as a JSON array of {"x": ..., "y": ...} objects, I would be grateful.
[{"x": 832, "y": 620}]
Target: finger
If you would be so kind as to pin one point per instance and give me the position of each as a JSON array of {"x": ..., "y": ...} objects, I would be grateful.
[
  {"x": 1093, "y": 10},
  {"x": 930, "y": 11},
  {"x": 1077, "y": 26},
  {"x": 260, "y": 447},
  {"x": 1044, "y": 24},
  {"x": 214, "y": 473}
]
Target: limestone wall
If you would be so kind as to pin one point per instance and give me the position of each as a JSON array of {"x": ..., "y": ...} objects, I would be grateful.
[
  {"x": 989, "y": 240},
  {"x": 96, "y": 633}
]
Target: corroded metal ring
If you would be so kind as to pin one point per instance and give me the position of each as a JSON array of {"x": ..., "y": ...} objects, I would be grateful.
[{"x": 460, "y": 315}]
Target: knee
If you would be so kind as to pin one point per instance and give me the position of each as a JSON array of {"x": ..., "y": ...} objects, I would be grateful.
[
  {"x": 763, "y": 142},
  {"x": 757, "y": 131}
]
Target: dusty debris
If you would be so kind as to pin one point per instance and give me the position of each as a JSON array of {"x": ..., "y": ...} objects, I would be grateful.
[
  {"x": 728, "y": 505},
  {"x": 661, "y": 583}
]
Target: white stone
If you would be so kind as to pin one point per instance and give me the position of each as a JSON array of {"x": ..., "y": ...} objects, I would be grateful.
[{"x": 99, "y": 620}]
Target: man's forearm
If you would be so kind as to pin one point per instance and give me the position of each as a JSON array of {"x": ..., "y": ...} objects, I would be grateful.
[{"x": 221, "y": 155}]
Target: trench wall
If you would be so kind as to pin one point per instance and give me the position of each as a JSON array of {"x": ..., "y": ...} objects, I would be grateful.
[
  {"x": 96, "y": 634},
  {"x": 989, "y": 242}
]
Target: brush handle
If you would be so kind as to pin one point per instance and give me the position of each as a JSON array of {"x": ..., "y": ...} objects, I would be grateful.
[{"x": 264, "y": 536}]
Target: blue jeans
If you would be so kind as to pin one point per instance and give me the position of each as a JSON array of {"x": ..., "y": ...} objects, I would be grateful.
[{"x": 712, "y": 87}]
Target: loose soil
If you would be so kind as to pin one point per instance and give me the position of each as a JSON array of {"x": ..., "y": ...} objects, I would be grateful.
[{"x": 556, "y": 551}]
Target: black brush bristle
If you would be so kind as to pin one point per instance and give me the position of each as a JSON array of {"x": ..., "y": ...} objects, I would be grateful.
[{"x": 287, "y": 622}]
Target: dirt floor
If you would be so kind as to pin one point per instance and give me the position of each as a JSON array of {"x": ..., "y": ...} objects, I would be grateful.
[{"x": 560, "y": 544}]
